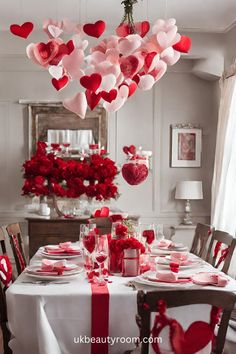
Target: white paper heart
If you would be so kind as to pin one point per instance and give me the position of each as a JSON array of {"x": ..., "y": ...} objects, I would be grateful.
[
  {"x": 77, "y": 104},
  {"x": 119, "y": 80},
  {"x": 123, "y": 92},
  {"x": 161, "y": 68},
  {"x": 55, "y": 71},
  {"x": 170, "y": 56},
  {"x": 108, "y": 83},
  {"x": 114, "y": 105},
  {"x": 165, "y": 39},
  {"x": 55, "y": 31},
  {"x": 72, "y": 63},
  {"x": 146, "y": 82},
  {"x": 79, "y": 42}
]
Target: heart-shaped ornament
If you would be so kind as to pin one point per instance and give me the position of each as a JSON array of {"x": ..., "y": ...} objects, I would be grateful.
[
  {"x": 129, "y": 45},
  {"x": 54, "y": 31},
  {"x": 45, "y": 52},
  {"x": 95, "y": 29},
  {"x": 77, "y": 104},
  {"x": 60, "y": 83},
  {"x": 108, "y": 82},
  {"x": 55, "y": 71},
  {"x": 184, "y": 45},
  {"x": 79, "y": 43},
  {"x": 91, "y": 82},
  {"x": 170, "y": 56},
  {"x": 159, "y": 70},
  {"x": 123, "y": 30},
  {"x": 129, "y": 66},
  {"x": 72, "y": 63},
  {"x": 109, "y": 96},
  {"x": 134, "y": 174},
  {"x": 23, "y": 30},
  {"x": 93, "y": 99},
  {"x": 151, "y": 60},
  {"x": 146, "y": 82},
  {"x": 5, "y": 270},
  {"x": 142, "y": 28}
]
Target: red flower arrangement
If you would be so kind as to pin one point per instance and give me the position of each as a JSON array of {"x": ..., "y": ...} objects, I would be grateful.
[{"x": 46, "y": 174}]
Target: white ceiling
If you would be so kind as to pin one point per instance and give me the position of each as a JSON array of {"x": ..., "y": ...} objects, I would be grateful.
[{"x": 196, "y": 15}]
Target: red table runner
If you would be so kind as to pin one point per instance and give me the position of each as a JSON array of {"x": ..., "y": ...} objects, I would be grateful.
[{"x": 100, "y": 319}]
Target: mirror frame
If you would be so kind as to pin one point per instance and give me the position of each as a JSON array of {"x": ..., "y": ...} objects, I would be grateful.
[{"x": 46, "y": 115}]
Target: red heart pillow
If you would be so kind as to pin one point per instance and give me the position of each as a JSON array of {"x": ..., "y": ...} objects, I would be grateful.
[
  {"x": 134, "y": 174},
  {"x": 5, "y": 270}
]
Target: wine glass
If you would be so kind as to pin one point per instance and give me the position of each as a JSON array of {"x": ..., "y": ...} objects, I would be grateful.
[
  {"x": 101, "y": 254},
  {"x": 88, "y": 238}
]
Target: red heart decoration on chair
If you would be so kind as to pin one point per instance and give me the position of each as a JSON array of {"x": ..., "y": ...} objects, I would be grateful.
[
  {"x": 22, "y": 30},
  {"x": 61, "y": 83},
  {"x": 129, "y": 66},
  {"x": 92, "y": 82},
  {"x": 93, "y": 99},
  {"x": 196, "y": 337},
  {"x": 183, "y": 45},
  {"x": 95, "y": 29},
  {"x": 134, "y": 174},
  {"x": 109, "y": 96},
  {"x": 5, "y": 270}
]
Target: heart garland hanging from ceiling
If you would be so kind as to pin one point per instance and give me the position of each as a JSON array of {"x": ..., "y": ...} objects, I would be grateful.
[{"x": 131, "y": 58}]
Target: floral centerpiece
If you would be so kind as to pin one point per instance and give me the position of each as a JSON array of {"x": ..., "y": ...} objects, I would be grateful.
[{"x": 46, "y": 174}]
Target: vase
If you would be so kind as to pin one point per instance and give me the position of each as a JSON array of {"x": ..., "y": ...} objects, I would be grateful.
[
  {"x": 131, "y": 263},
  {"x": 44, "y": 209}
]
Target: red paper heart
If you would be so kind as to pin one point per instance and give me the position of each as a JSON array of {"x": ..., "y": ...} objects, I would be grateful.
[
  {"x": 70, "y": 46},
  {"x": 93, "y": 99},
  {"x": 142, "y": 28},
  {"x": 183, "y": 45},
  {"x": 95, "y": 29},
  {"x": 92, "y": 82},
  {"x": 22, "y": 30},
  {"x": 149, "y": 58},
  {"x": 5, "y": 270},
  {"x": 123, "y": 30},
  {"x": 61, "y": 83},
  {"x": 126, "y": 150},
  {"x": 129, "y": 66},
  {"x": 109, "y": 96},
  {"x": 134, "y": 174},
  {"x": 62, "y": 51},
  {"x": 46, "y": 52},
  {"x": 132, "y": 149}
]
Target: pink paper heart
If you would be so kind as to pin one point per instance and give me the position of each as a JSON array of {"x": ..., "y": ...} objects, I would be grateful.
[
  {"x": 112, "y": 55},
  {"x": 79, "y": 43},
  {"x": 72, "y": 63},
  {"x": 146, "y": 82},
  {"x": 96, "y": 58},
  {"x": 159, "y": 70},
  {"x": 167, "y": 39},
  {"x": 129, "y": 45},
  {"x": 77, "y": 104},
  {"x": 106, "y": 68}
]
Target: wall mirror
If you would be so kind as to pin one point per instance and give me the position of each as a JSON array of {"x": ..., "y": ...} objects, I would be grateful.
[{"x": 52, "y": 123}]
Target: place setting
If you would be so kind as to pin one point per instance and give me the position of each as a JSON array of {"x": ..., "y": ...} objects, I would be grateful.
[{"x": 63, "y": 250}]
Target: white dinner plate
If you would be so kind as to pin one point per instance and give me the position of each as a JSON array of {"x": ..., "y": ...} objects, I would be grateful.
[
  {"x": 143, "y": 279},
  {"x": 31, "y": 272},
  {"x": 164, "y": 262},
  {"x": 44, "y": 253}
]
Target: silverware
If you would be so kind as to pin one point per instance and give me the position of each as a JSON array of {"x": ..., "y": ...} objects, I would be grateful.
[{"x": 44, "y": 282}]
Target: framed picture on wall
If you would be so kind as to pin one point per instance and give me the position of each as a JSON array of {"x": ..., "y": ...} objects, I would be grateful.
[{"x": 186, "y": 145}]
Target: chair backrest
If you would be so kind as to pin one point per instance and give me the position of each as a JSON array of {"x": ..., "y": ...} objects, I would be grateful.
[
  {"x": 103, "y": 225},
  {"x": 16, "y": 242},
  {"x": 147, "y": 303},
  {"x": 218, "y": 238},
  {"x": 202, "y": 235},
  {"x": 2, "y": 241}
]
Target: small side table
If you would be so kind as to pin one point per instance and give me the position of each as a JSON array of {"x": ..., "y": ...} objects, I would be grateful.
[{"x": 184, "y": 234}]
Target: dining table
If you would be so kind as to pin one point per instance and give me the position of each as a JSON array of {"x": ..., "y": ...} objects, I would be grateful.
[{"x": 76, "y": 316}]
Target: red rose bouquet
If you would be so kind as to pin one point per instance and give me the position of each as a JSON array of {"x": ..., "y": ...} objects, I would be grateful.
[{"x": 46, "y": 175}]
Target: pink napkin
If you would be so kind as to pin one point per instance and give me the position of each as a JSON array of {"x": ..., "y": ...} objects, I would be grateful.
[
  {"x": 179, "y": 256},
  {"x": 165, "y": 243},
  {"x": 166, "y": 276},
  {"x": 62, "y": 248},
  {"x": 215, "y": 279},
  {"x": 53, "y": 267}
]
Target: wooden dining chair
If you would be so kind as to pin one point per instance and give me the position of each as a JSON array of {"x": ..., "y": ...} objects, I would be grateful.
[
  {"x": 16, "y": 242},
  {"x": 226, "y": 253},
  {"x": 202, "y": 234},
  {"x": 103, "y": 225},
  {"x": 2, "y": 241},
  {"x": 148, "y": 303}
]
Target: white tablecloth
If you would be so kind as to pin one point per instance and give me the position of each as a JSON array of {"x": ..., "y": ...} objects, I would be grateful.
[{"x": 49, "y": 319}]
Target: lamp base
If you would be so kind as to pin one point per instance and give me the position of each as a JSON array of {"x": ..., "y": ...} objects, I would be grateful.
[{"x": 187, "y": 217}]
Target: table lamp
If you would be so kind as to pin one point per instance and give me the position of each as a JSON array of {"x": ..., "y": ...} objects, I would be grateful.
[{"x": 188, "y": 190}]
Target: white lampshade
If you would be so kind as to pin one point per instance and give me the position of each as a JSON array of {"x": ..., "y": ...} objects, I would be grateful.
[{"x": 189, "y": 190}]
